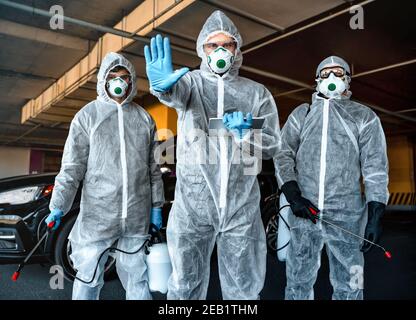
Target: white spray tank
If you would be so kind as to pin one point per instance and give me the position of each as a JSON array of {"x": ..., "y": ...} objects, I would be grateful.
[
  {"x": 159, "y": 267},
  {"x": 283, "y": 231}
]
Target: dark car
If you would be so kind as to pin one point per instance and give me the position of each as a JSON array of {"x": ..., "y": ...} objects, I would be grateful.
[{"x": 24, "y": 206}]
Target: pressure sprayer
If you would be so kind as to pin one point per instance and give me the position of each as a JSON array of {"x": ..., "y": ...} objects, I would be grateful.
[
  {"x": 16, "y": 274},
  {"x": 50, "y": 225},
  {"x": 284, "y": 230},
  {"x": 157, "y": 260},
  {"x": 159, "y": 267},
  {"x": 386, "y": 253}
]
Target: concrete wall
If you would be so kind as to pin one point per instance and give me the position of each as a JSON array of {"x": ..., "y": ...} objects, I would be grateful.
[{"x": 14, "y": 161}]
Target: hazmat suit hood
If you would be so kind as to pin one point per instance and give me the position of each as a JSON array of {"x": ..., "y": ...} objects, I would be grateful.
[
  {"x": 216, "y": 23},
  {"x": 110, "y": 61},
  {"x": 334, "y": 61}
]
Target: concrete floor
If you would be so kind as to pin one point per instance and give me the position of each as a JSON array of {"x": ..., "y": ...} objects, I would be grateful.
[{"x": 384, "y": 279}]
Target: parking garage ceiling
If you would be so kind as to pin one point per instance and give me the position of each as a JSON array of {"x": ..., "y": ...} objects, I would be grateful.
[
  {"x": 283, "y": 43},
  {"x": 33, "y": 56}
]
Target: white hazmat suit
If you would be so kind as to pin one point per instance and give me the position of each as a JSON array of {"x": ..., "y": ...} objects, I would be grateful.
[
  {"x": 327, "y": 146},
  {"x": 110, "y": 147},
  {"x": 216, "y": 201}
]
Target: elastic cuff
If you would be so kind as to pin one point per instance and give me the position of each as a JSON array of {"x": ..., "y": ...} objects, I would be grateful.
[{"x": 158, "y": 204}]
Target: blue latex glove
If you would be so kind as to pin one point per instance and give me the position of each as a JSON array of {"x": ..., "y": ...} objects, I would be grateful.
[
  {"x": 159, "y": 65},
  {"x": 236, "y": 123},
  {"x": 55, "y": 215},
  {"x": 156, "y": 217}
]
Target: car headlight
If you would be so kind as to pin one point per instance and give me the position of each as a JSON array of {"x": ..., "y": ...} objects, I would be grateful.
[{"x": 23, "y": 195}]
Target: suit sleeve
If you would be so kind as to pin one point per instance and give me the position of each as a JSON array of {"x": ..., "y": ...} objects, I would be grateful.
[
  {"x": 374, "y": 161},
  {"x": 73, "y": 166},
  {"x": 178, "y": 96},
  {"x": 285, "y": 161},
  {"x": 156, "y": 180}
]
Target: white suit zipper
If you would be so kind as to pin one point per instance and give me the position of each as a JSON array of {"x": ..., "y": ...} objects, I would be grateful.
[
  {"x": 324, "y": 144},
  {"x": 123, "y": 159},
  {"x": 223, "y": 147}
]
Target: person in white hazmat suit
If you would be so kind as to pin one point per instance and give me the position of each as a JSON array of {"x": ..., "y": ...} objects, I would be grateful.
[
  {"x": 216, "y": 201},
  {"x": 327, "y": 146},
  {"x": 110, "y": 148}
]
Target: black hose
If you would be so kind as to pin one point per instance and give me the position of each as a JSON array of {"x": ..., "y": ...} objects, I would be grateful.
[
  {"x": 113, "y": 249},
  {"x": 155, "y": 234},
  {"x": 278, "y": 209}
]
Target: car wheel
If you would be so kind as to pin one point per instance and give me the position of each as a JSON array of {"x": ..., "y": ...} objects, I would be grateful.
[
  {"x": 270, "y": 223},
  {"x": 62, "y": 252}
]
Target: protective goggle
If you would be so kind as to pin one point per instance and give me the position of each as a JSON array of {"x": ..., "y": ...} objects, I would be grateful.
[
  {"x": 125, "y": 77},
  {"x": 337, "y": 71},
  {"x": 226, "y": 45}
]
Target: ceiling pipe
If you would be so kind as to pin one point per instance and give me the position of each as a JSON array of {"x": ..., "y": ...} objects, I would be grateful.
[
  {"x": 275, "y": 76},
  {"x": 45, "y": 13},
  {"x": 82, "y": 23},
  {"x": 22, "y": 135},
  {"x": 53, "y": 128},
  {"x": 385, "y": 111},
  {"x": 388, "y": 67},
  {"x": 58, "y": 39},
  {"x": 23, "y": 75},
  {"x": 290, "y": 92},
  {"x": 407, "y": 110},
  {"x": 312, "y": 24}
]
